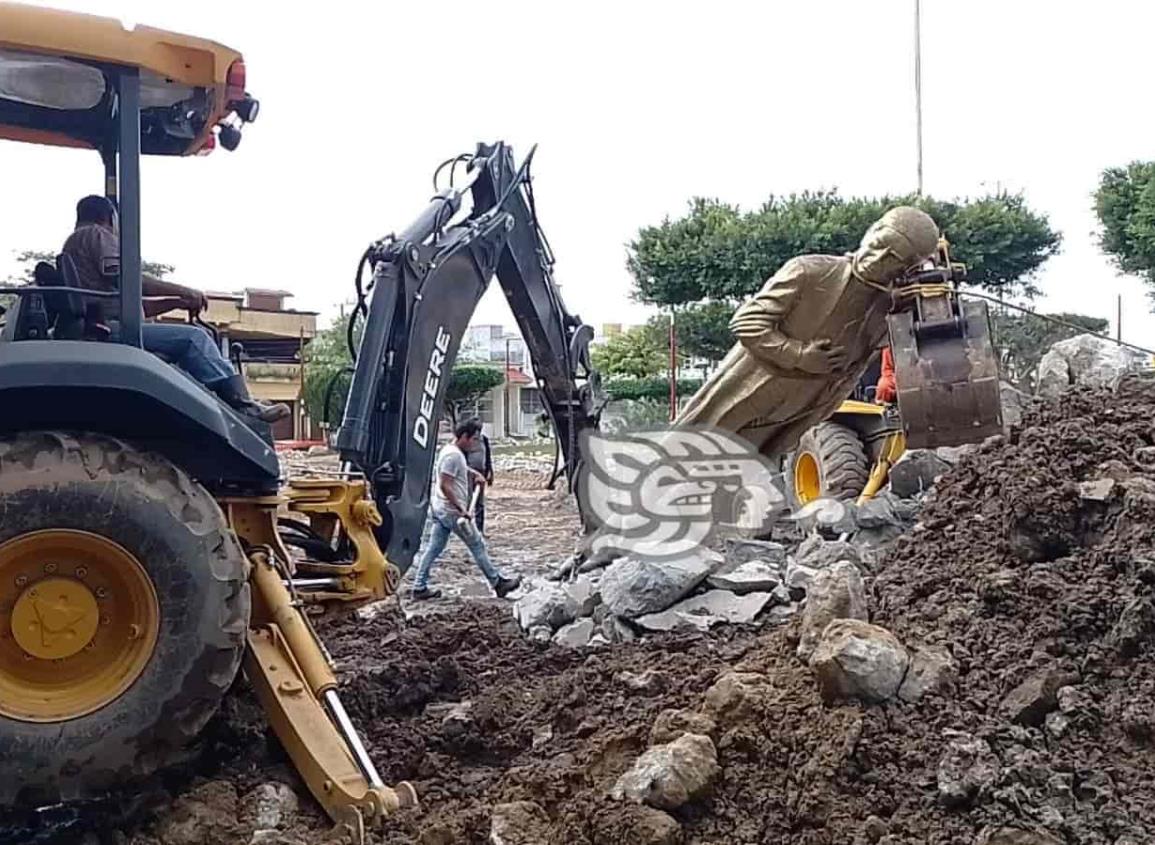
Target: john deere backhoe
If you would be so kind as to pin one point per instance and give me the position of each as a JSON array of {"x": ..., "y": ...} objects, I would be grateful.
[{"x": 141, "y": 559}]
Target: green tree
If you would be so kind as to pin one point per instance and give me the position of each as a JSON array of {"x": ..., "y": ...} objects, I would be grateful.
[
  {"x": 719, "y": 252},
  {"x": 28, "y": 259},
  {"x": 1023, "y": 339},
  {"x": 637, "y": 353},
  {"x": 327, "y": 362},
  {"x": 702, "y": 329},
  {"x": 467, "y": 384},
  {"x": 654, "y": 388},
  {"x": 1125, "y": 205}
]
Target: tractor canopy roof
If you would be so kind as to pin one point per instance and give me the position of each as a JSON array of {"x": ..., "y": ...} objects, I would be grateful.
[{"x": 59, "y": 73}]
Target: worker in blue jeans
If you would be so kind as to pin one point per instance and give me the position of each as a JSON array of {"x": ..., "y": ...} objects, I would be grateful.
[
  {"x": 94, "y": 247},
  {"x": 449, "y": 511}
]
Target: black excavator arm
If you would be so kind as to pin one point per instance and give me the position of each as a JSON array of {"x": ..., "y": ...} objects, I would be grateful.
[{"x": 426, "y": 283}]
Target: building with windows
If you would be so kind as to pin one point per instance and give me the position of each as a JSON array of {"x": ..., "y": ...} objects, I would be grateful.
[
  {"x": 512, "y": 408},
  {"x": 254, "y": 326}
]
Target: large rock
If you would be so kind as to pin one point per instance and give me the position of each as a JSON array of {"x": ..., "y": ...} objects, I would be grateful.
[
  {"x": 742, "y": 551},
  {"x": 932, "y": 669},
  {"x": 670, "y": 775},
  {"x": 549, "y": 606},
  {"x": 576, "y": 634},
  {"x": 1031, "y": 701},
  {"x": 704, "y": 611},
  {"x": 750, "y": 577},
  {"x": 671, "y": 724},
  {"x": 835, "y": 593},
  {"x": 916, "y": 471},
  {"x": 1014, "y": 403},
  {"x": 633, "y": 587},
  {"x": 855, "y": 659},
  {"x": 519, "y": 823},
  {"x": 798, "y": 580},
  {"x": 584, "y": 591},
  {"x": 1084, "y": 360},
  {"x": 967, "y": 770}
]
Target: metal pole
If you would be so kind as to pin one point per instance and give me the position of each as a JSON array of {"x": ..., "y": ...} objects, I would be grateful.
[
  {"x": 128, "y": 102},
  {"x": 505, "y": 403},
  {"x": 673, "y": 370},
  {"x": 918, "y": 86},
  {"x": 1118, "y": 318}
]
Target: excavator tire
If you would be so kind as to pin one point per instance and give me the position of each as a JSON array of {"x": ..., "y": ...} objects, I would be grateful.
[
  {"x": 830, "y": 462},
  {"x": 124, "y": 607}
]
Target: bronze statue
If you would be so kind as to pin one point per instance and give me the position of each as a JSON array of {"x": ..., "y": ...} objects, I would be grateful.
[{"x": 805, "y": 339}]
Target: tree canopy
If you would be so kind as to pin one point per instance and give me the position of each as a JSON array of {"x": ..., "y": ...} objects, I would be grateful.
[
  {"x": 636, "y": 353},
  {"x": 719, "y": 252},
  {"x": 28, "y": 258},
  {"x": 467, "y": 384},
  {"x": 1125, "y": 205}
]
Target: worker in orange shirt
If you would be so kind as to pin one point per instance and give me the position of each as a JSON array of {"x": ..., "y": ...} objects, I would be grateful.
[{"x": 886, "y": 391}]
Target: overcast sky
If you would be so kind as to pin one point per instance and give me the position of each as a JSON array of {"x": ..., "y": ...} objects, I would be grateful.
[{"x": 636, "y": 106}]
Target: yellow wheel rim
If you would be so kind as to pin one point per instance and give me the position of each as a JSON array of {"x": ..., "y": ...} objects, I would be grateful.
[
  {"x": 807, "y": 481},
  {"x": 78, "y": 623}
]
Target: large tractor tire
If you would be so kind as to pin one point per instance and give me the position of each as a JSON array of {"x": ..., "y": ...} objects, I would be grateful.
[
  {"x": 830, "y": 463},
  {"x": 124, "y": 605}
]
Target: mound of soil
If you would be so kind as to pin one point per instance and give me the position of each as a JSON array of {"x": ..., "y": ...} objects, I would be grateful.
[{"x": 1037, "y": 583}]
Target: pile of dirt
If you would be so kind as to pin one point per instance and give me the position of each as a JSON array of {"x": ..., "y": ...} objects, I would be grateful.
[{"x": 1038, "y": 583}]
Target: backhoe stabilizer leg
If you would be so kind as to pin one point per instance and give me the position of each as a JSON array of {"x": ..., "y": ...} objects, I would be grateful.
[{"x": 292, "y": 677}]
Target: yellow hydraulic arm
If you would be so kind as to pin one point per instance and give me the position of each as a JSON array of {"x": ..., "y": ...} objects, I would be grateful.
[{"x": 286, "y": 663}]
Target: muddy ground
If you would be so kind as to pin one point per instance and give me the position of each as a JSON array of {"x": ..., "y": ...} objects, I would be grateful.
[{"x": 1012, "y": 569}]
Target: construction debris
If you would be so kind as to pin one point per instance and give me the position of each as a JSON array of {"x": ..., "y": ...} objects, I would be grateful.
[{"x": 1024, "y": 716}]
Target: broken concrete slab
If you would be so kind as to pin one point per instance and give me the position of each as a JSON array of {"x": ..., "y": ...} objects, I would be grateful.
[
  {"x": 576, "y": 634},
  {"x": 1016, "y": 836},
  {"x": 743, "y": 551},
  {"x": 835, "y": 593},
  {"x": 648, "y": 682},
  {"x": 616, "y": 630},
  {"x": 548, "y": 606},
  {"x": 749, "y": 577},
  {"x": 878, "y": 512},
  {"x": 634, "y": 587},
  {"x": 671, "y": 775},
  {"x": 855, "y": 659},
  {"x": 703, "y": 611}
]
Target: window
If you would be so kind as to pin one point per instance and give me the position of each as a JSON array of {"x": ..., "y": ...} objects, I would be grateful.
[{"x": 530, "y": 400}]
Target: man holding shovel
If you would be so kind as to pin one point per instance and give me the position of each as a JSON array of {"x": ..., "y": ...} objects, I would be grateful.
[{"x": 452, "y": 513}]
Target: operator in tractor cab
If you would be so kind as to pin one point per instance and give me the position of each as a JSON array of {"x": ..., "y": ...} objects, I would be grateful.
[
  {"x": 805, "y": 339},
  {"x": 94, "y": 247}
]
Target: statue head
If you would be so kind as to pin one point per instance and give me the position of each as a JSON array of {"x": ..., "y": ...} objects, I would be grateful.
[{"x": 899, "y": 240}]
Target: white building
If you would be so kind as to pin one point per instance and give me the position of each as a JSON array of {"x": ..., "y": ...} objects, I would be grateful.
[{"x": 513, "y": 408}]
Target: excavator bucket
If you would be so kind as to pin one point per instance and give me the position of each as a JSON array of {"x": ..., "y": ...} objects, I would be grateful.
[{"x": 947, "y": 372}]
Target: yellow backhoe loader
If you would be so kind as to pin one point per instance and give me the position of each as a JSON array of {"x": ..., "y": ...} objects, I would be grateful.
[{"x": 146, "y": 534}]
